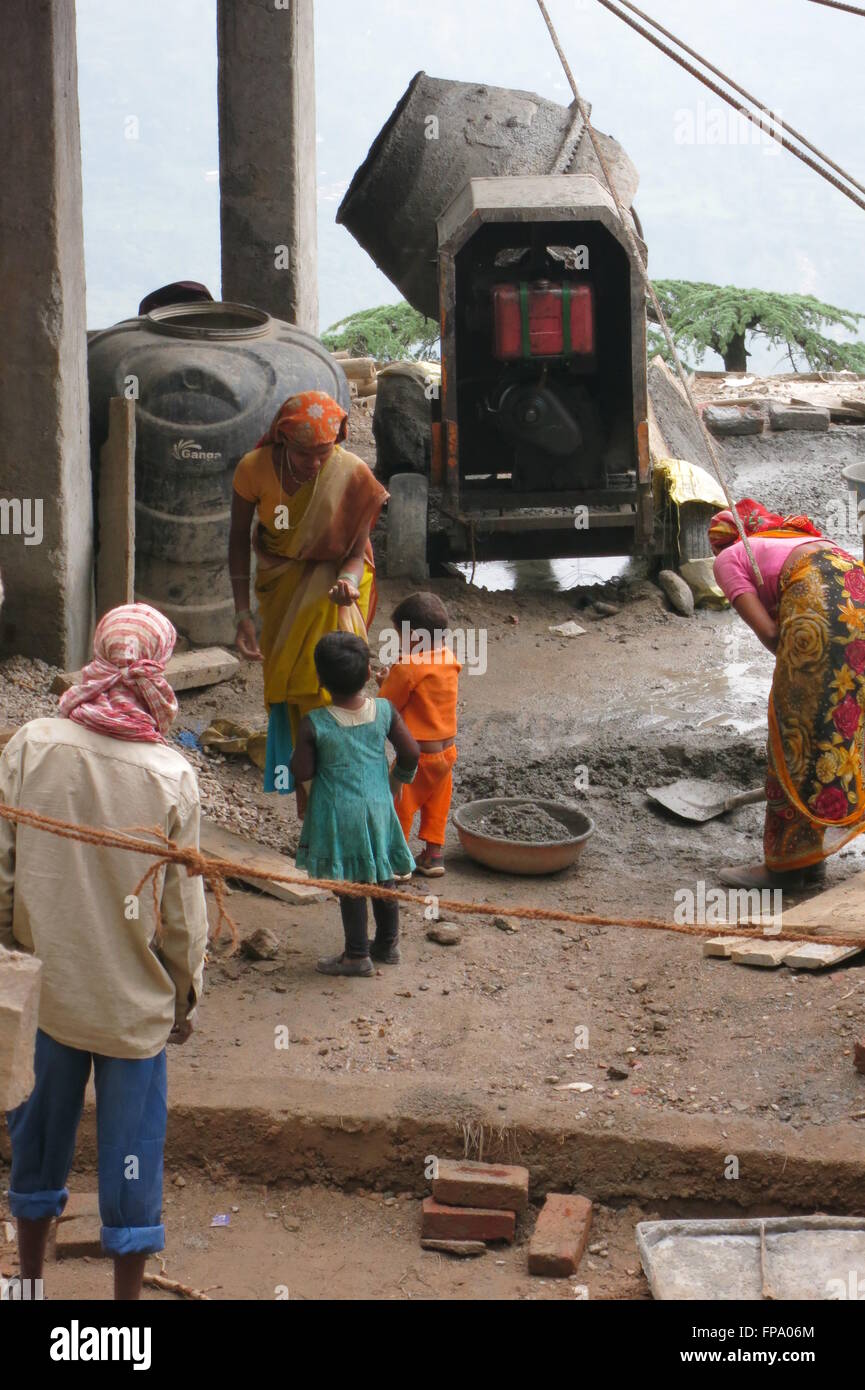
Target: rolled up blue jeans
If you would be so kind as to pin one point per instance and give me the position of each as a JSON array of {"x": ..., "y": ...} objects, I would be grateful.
[{"x": 131, "y": 1114}]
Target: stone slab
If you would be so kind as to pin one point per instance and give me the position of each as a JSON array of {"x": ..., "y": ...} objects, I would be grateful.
[
  {"x": 20, "y": 983},
  {"x": 462, "y": 1249},
  {"x": 801, "y": 1257},
  {"x": 223, "y": 844},
  {"x": 185, "y": 671}
]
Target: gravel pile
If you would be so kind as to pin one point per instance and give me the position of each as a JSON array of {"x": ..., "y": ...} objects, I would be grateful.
[
  {"x": 24, "y": 690},
  {"x": 230, "y": 789}
]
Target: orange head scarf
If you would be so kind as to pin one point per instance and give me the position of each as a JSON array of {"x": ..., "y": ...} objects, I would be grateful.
[
  {"x": 310, "y": 420},
  {"x": 756, "y": 520}
]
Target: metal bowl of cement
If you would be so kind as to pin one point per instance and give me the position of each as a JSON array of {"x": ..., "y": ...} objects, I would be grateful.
[{"x": 506, "y": 851}]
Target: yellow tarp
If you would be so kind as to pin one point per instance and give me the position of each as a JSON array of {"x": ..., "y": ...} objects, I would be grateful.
[
  {"x": 229, "y": 738},
  {"x": 686, "y": 482},
  {"x": 679, "y": 483}
]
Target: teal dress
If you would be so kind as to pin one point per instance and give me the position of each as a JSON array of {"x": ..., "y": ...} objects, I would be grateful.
[{"x": 351, "y": 830}]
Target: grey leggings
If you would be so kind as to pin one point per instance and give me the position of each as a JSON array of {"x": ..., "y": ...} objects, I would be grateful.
[{"x": 354, "y": 922}]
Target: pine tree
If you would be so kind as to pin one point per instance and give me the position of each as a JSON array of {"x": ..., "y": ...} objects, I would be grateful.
[
  {"x": 390, "y": 333},
  {"x": 705, "y": 317}
]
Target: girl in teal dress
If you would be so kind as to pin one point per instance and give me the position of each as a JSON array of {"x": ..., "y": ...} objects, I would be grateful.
[{"x": 351, "y": 831}]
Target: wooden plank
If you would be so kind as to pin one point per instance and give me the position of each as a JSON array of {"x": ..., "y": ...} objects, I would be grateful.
[
  {"x": 186, "y": 671},
  {"x": 811, "y": 956},
  {"x": 115, "y": 561},
  {"x": 224, "y": 844},
  {"x": 838, "y": 912},
  {"x": 768, "y": 955},
  {"x": 722, "y": 947}
]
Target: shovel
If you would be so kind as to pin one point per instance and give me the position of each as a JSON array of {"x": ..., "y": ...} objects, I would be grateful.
[{"x": 702, "y": 801}]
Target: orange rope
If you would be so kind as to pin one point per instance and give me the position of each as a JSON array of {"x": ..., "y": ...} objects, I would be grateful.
[{"x": 215, "y": 872}]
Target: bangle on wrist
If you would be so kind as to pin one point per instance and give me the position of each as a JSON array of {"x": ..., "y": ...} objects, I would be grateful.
[
  {"x": 245, "y": 613},
  {"x": 352, "y": 578}
]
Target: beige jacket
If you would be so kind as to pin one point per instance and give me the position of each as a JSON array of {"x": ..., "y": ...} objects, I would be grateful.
[{"x": 106, "y": 986}]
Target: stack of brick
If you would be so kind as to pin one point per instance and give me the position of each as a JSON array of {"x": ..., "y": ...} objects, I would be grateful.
[{"x": 475, "y": 1202}]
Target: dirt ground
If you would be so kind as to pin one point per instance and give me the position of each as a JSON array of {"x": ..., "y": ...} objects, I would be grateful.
[
  {"x": 642, "y": 698},
  {"x": 311, "y": 1243}
]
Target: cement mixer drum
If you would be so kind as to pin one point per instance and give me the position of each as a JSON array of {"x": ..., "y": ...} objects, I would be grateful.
[{"x": 441, "y": 135}]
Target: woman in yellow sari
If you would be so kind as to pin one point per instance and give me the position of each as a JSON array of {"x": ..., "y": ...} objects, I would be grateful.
[{"x": 317, "y": 504}]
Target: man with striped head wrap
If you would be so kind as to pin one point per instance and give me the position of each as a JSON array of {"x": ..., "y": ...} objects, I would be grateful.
[{"x": 116, "y": 983}]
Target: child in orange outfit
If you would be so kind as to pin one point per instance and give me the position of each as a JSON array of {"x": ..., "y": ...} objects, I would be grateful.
[{"x": 423, "y": 688}]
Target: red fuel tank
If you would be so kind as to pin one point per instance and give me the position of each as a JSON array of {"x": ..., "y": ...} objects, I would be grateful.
[{"x": 543, "y": 318}]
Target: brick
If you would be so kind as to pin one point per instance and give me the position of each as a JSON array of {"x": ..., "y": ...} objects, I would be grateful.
[
  {"x": 20, "y": 981},
  {"x": 729, "y": 420},
  {"x": 560, "y": 1236},
  {"x": 464, "y": 1183},
  {"x": 75, "y": 1239},
  {"x": 440, "y": 1222},
  {"x": 81, "y": 1204},
  {"x": 797, "y": 417}
]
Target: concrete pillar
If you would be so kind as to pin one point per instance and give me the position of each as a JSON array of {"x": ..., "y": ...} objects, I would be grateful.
[
  {"x": 267, "y": 157},
  {"x": 46, "y": 525}
]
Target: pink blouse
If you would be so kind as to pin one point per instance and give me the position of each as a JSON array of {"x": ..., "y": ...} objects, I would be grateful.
[{"x": 733, "y": 571}]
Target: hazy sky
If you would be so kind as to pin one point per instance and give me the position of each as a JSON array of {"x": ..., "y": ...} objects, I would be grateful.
[{"x": 716, "y": 209}]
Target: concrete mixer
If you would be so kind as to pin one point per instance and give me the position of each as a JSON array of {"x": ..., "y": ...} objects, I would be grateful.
[{"x": 487, "y": 208}]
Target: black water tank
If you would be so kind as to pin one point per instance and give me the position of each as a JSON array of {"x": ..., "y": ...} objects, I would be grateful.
[{"x": 207, "y": 380}]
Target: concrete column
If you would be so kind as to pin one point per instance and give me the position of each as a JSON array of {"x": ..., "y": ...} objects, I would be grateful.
[
  {"x": 46, "y": 526},
  {"x": 267, "y": 157}
]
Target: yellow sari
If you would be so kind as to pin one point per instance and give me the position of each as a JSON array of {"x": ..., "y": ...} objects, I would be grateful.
[{"x": 302, "y": 543}]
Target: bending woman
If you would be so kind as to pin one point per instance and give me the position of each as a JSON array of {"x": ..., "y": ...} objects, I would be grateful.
[
  {"x": 810, "y": 612},
  {"x": 317, "y": 505}
]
